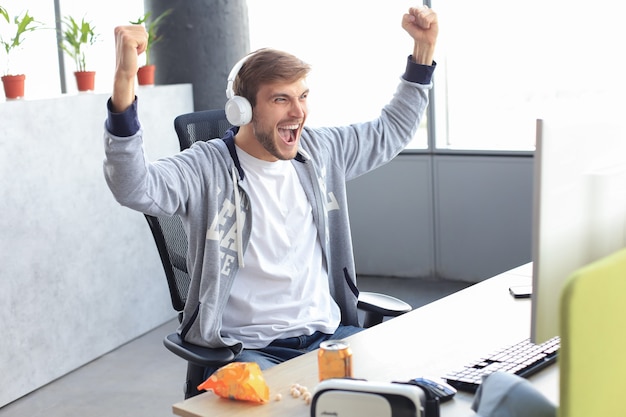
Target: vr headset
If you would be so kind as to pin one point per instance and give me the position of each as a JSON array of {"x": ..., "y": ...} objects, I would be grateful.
[{"x": 358, "y": 398}]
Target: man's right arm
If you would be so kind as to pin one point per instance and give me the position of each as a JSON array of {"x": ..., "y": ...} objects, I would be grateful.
[
  {"x": 152, "y": 188},
  {"x": 130, "y": 42},
  {"x": 124, "y": 166}
]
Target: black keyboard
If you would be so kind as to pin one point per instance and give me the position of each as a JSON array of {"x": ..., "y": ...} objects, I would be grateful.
[{"x": 524, "y": 359}]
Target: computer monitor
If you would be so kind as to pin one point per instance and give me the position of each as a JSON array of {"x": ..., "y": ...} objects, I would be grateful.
[{"x": 579, "y": 200}]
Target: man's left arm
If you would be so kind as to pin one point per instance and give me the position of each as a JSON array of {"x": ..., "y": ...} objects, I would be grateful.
[{"x": 421, "y": 24}]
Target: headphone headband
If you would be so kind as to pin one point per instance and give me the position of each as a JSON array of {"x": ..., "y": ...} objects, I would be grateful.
[{"x": 233, "y": 74}]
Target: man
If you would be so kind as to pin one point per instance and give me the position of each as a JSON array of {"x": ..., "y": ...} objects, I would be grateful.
[{"x": 265, "y": 207}]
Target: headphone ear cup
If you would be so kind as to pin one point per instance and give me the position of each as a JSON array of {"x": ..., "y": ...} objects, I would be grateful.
[{"x": 238, "y": 111}]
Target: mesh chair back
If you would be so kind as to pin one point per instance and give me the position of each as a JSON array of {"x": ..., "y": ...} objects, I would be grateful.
[
  {"x": 201, "y": 125},
  {"x": 168, "y": 232},
  {"x": 171, "y": 240}
]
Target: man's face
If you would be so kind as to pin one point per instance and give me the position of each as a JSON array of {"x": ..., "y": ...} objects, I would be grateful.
[{"x": 278, "y": 118}]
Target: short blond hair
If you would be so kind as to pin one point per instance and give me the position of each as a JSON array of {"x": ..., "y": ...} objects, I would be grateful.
[{"x": 267, "y": 66}]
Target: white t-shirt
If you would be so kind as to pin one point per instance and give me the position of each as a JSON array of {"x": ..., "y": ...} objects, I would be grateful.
[{"x": 283, "y": 289}]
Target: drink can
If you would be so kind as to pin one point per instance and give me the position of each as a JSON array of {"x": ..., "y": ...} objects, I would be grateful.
[{"x": 334, "y": 360}]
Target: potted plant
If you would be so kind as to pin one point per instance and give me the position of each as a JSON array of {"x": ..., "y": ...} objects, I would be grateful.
[
  {"x": 77, "y": 38},
  {"x": 145, "y": 73},
  {"x": 14, "y": 83}
]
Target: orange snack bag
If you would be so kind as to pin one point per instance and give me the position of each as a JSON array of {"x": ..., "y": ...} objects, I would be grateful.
[{"x": 238, "y": 381}]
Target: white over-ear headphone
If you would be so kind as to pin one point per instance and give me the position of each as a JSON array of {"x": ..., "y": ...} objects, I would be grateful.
[{"x": 238, "y": 109}]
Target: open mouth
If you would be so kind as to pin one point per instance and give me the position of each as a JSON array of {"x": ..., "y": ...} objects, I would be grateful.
[{"x": 288, "y": 133}]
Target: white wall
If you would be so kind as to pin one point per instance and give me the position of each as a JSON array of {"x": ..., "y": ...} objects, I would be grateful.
[{"x": 80, "y": 274}]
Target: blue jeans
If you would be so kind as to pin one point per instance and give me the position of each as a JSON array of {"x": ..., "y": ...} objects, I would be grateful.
[{"x": 281, "y": 350}]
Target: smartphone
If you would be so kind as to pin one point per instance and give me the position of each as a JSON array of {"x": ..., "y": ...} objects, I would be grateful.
[{"x": 521, "y": 291}]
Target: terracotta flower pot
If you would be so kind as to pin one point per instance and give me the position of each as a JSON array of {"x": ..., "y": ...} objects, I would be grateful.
[
  {"x": 13, "y": 86},
  {"x": 145, "y": 75},
  {"x": 85, "y": 80}
]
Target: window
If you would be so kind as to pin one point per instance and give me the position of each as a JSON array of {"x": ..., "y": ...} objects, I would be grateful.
[
  {"x": 357, "y": 51},
  {"x": 500, "y": 66},
  {"x": 503, "y": 65},
  {"x": 38, "y": 57}
]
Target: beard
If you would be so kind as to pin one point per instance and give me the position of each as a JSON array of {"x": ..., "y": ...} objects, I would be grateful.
[{"x": 267, "y": 138}]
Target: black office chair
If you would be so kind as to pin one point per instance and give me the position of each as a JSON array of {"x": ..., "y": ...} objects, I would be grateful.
[
  {"x": 171, "y": 241},
  {"x": 200, "y": 125}
]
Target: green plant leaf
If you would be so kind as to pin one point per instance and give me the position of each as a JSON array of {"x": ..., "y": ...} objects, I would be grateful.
[
  {"x": 5, "y": 14},
  {"x": 77, "y": 36},
  {"x": 25, "y": 23}
]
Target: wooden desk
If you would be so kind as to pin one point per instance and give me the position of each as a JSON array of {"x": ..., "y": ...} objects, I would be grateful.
[{"x": 430, "y": 341}]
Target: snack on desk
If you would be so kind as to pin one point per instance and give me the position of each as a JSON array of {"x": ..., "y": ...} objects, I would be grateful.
[{"x": 238, "y": 381}]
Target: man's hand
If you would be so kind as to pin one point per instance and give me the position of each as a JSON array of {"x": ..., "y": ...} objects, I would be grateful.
[
  {"x": 130, "y": 42},
  {"x": 421, "y": 24}
]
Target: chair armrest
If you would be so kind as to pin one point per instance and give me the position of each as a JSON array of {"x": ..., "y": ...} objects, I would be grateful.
[
  {"x": 198, "y": 355},
  {"x": 377, "y": 306}
]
